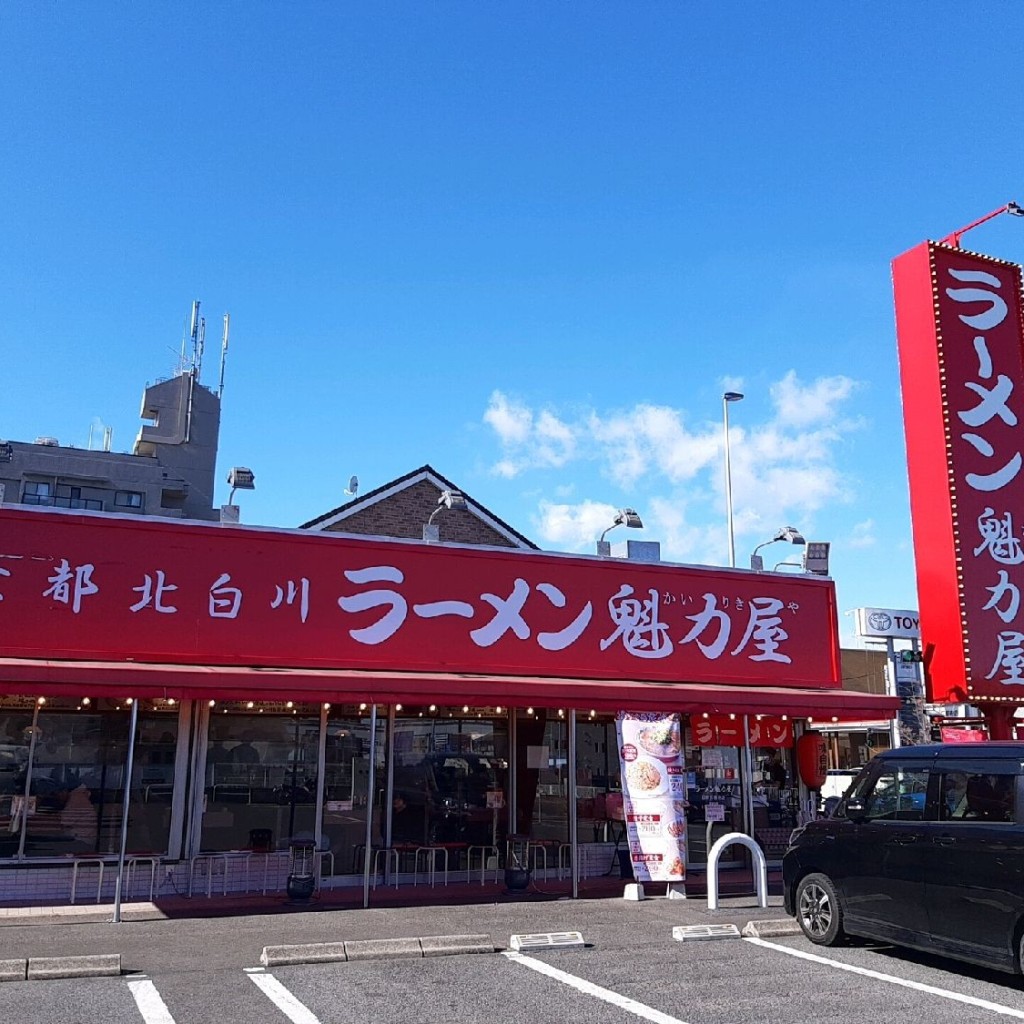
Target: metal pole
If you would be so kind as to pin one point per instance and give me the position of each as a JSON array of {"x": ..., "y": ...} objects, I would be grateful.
[
  {"x": 893, "y": 688},
  {"x": 726, "y": 399},
  {"x": 513, "y": 770},
  {"x": 371, "y": 784},
  {"x": 389, "y": 793},
  {"x": 129, "y": 762},
  {"x": 28, "y": 781},
  {"x": 321, "y": 771},
  {"x": 574, "y": 846},
  {"x": 748, "y": 780}
]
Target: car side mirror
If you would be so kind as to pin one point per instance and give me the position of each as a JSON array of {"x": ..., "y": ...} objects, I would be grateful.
[{"x": 855, "y": 810}]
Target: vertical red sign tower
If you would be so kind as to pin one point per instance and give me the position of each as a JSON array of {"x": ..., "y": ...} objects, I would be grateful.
[{"x": 961, "y": 345}]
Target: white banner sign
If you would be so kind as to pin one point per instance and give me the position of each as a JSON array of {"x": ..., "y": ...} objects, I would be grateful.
[
  {"x": 654, "y": 792},
  {"x": 888, "y": 622}
]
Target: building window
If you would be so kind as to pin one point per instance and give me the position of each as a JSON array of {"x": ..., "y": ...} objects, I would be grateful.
[
  {"x": 37, "y": 492},
  {"x": 128, "y": 499},
  {"x": 71, "y": 497}
]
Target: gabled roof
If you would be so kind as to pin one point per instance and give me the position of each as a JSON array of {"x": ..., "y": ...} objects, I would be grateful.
[{"x": 424, "y": 474}]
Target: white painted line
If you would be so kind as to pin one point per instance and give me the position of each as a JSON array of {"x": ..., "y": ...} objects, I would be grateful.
[
  {"x": 148, "y": 1000},
  {"x": 984, "y": 1004},
  {"x": 295, "y": 1011},
  {"x": 590, "y": 989}
]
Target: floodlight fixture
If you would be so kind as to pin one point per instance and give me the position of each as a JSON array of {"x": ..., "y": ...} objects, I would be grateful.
[
  {"x": 953, "y": 240},
  {"x": 448, "y": 499},
  {"x": 816, "y": 557},
  {"x": 787, "y": 533},
  {"x": 240, "y": 478},
  {"x": 628, "y": 517}
]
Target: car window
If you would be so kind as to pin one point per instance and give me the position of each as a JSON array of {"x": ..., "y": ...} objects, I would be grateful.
[
  {"x": 899, "y": 794},
  {"x": 978, "y": 796}
]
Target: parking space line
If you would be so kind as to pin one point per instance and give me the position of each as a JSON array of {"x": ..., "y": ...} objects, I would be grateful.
[
  {"x": 985, "y": 1004},
  {"x": 148, "y": 1000},
  {"x": 590, "y": 989},
  {"x": 294, "y": 1010}
]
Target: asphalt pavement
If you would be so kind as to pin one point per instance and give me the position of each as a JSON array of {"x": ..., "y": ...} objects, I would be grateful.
[{"x": 206, "y": 971}]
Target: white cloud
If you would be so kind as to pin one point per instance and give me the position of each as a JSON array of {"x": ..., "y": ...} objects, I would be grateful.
[
  {"x": 512, "y": 422},
  {"x": 530, "y": 441},
  {"x": 862, "y": 535},
  {"x": 799, "y": 405},
  {"x": 573, "y": 527},
  {"x": 785, "y": 470}
]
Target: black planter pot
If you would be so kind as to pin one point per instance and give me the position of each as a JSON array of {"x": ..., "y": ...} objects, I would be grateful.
[
  {"x": 517, "y": 879},
  {"x": 300, "y": 889}
]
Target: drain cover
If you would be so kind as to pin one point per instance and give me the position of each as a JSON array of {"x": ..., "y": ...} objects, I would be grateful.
[
  {"x": 546, "y": 940},
  {"x": 688, "y": 932}
]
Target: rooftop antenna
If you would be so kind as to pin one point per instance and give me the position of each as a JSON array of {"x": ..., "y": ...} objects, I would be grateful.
[
  {"x": 108, "y": 438},
  {"x": 189, "y": 335},
  {"x": 224, "y": 353},
  {"x": 198, "y": 344},
  {"x": 353, "y": 486}
]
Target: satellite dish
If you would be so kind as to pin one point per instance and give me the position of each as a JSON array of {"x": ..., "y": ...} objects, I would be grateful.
[{"x": 353, "y": 485}]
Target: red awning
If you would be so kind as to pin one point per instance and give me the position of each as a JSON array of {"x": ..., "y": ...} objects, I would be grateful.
[{"x": 45, "y": 677}]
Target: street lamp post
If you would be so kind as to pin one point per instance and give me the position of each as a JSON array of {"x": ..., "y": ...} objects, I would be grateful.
[{"x": 729, "y": 396}]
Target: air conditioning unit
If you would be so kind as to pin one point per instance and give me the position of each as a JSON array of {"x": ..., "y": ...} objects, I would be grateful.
[{"x": 50, "y": 442}]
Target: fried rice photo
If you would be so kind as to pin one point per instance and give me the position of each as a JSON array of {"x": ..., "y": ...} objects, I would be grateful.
[{"x": 643, "y": 776}]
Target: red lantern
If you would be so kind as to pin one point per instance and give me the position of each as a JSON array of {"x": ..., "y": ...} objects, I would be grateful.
[{"x": 812, "y": 759}]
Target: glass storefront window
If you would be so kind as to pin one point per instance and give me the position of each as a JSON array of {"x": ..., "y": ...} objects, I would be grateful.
[
  {"x": 76, "y": 792},
  {"x": 451, "y": 776},
  {"x": 261, "y": 775}
]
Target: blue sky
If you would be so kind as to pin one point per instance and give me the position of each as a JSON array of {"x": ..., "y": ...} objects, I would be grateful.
[{"x": 528, "y": 243}]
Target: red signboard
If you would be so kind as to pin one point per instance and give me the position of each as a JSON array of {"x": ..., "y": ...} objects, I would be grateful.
[
  {"x": 959, "y": 322},
  {"x": 954, "y": 734},
  {"x": 727, "y": 731},
  {"x": 76, "y": 586}
]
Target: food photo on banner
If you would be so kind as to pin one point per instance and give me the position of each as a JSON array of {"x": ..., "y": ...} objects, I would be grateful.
[{"x": 654, "y": 787}]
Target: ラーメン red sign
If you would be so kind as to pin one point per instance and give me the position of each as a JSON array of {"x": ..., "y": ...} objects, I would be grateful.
[
  {"x": 959, "y": 322},
  {"x": 107, "y": 588}
]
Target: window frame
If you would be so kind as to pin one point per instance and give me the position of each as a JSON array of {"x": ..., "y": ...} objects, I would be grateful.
[{"x": 139, "y": 504}]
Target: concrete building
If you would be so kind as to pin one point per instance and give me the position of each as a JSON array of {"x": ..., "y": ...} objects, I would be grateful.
[{"x": 170, "y": 472}]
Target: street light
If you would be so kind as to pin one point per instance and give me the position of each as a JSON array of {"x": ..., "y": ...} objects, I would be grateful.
[
  {"x": 448, "y": 499},
  {"x": 729, "y": 396},
  {"x": 624, "y": 517},
  {"x": 787, "y": 533}
]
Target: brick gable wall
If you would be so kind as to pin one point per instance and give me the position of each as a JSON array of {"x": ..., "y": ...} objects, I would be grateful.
[{"x": 404, "y": 514}]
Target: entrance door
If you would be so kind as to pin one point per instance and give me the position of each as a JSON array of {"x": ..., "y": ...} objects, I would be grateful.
[{"x": 347, "y": 797}]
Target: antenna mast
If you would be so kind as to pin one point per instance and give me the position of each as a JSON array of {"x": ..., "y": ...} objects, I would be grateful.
[{"x": 224, "y": 353}]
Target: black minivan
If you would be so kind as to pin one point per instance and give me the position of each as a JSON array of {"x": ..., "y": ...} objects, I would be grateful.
[{"x": 926, "y": 849}]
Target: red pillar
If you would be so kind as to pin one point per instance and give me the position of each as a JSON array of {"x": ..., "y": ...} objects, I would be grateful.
[{"x": 1000, "y": 722}]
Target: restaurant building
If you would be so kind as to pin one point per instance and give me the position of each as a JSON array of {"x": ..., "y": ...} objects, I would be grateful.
[{"x": 416, "y": 709}]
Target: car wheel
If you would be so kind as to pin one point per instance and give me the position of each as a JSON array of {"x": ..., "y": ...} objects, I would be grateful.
[{"x": 818, "y": 910}]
